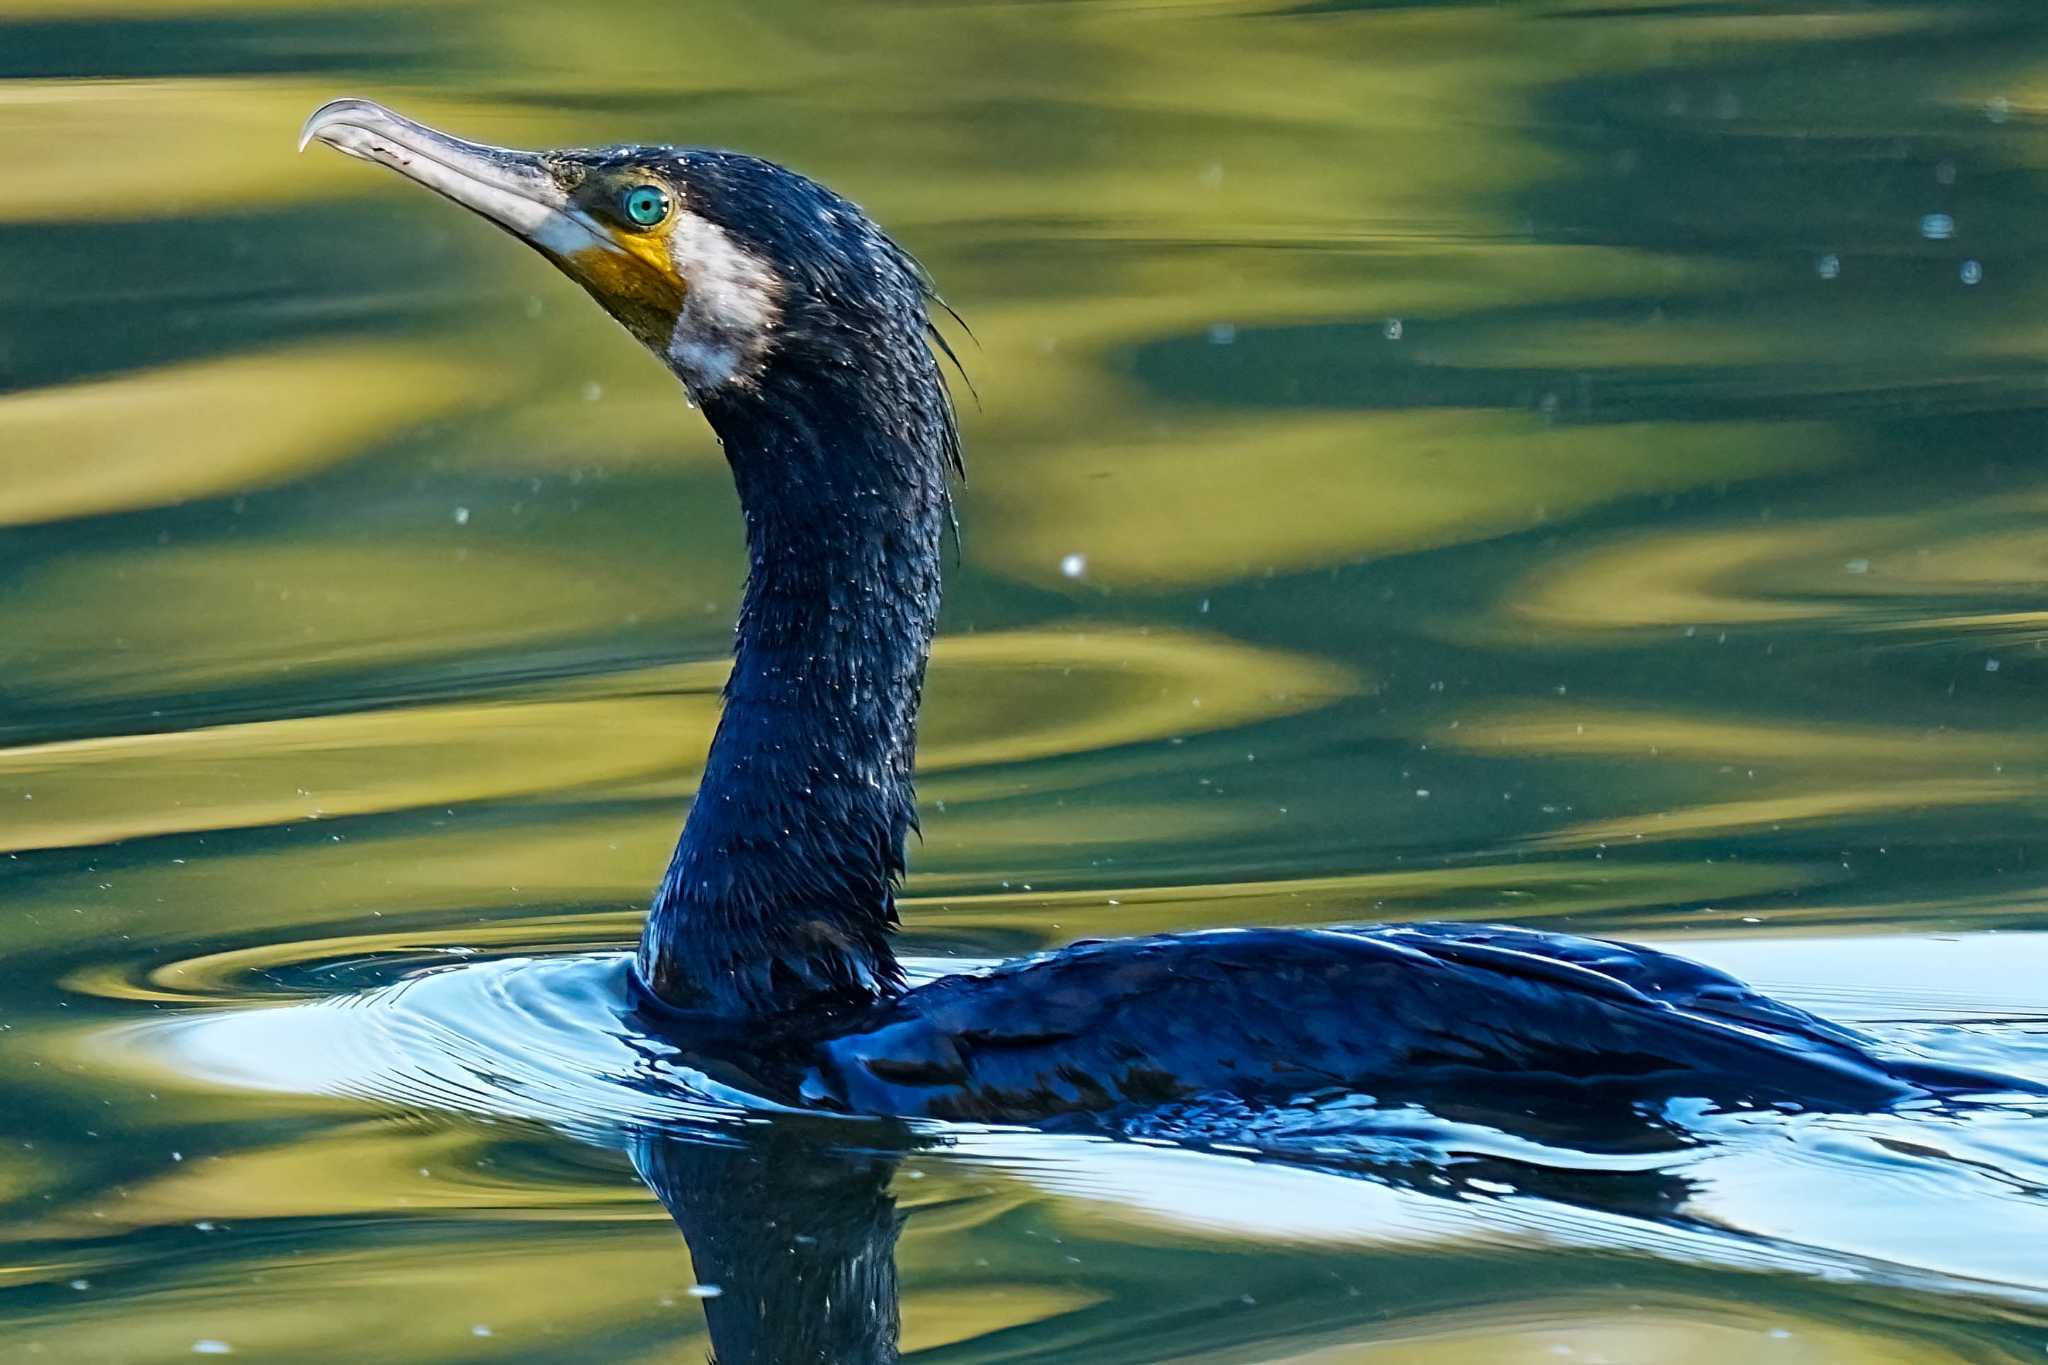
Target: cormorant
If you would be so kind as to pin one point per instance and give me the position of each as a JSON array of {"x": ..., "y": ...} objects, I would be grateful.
[{"x": 803, "y": 333}]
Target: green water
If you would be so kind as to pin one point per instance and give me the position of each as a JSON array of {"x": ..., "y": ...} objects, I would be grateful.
[{"x": 1565, "y": 462}]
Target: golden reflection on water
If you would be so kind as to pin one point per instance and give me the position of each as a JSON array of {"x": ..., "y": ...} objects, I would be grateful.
[
  {"x": 1003, "y": 698},
  {"x": 134, "y": 621},
  {"x": 160, "y": 147},
  {"x": 1775, "y": 813},
  {"x": 95, "y": 791},
  {"x": 1889, "y": 573},
  {"x": 1789, "y": 774},
  {"x": 1541, "y": 463},
  {"x": 1381, "y": 484},
  {"x": 159, "y": 437}
]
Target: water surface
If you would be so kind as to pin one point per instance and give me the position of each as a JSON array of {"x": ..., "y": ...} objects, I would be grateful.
[{"x": 1564, "y": 462}]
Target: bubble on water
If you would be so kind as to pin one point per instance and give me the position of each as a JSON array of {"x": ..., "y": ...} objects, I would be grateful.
[
  {"x": 1937, "y": 227},
  {"x": 208, "y": 1346},
  {"x": 1393, "y": 329},
  {"x": 1221, "y": 334},
  {"x": 1857, "y": 566},
  {"x": 462, "y": 516},
  {"x": 479, "y": 1330},
  {"x": 1074, "y": 565},
  {"x": 1998, "y": 109},
  {"x": 1828, "y": 267},
  {"x": 1991, "y": 665},
  {"x": 1972, "y": 272}
]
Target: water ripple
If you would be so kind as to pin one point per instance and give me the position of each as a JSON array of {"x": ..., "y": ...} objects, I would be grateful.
[{"x": 550, "y": 1041}]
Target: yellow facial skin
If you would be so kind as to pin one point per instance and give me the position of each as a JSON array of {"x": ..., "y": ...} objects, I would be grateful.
[{"x": 634, "y": 278}]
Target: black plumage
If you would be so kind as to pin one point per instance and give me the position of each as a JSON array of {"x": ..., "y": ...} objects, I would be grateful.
[
  {"x": 1416, "y": 1012},
  {"x": 782, "y": 890},
  {"x": 803, "y": 332}
]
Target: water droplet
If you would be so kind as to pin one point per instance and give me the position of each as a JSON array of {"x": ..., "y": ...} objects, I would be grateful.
[
  {"x": 1074, "y": 565},
  {"x": 1972, "y": 272},
  {"x": 479, "y": 1330},
  {"x": 705, "y": 1291},
  {"x": 592, "y": 391},
  {"x": 1937, "y": 227},
  {"x": 1394, "y": 329},
  {"x": 1828, "y": 267},
  {"x": 462, "y": 516},
  {"x": 1991, "y": 665},
  {"x": 1221, "y": 334},
  {"x": 1857, "y": 566},
  {"x": 209, "y": 1347}
]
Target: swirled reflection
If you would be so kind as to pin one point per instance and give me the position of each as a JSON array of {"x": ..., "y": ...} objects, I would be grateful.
[
  {"x": 1002, "y": 698},
  {"x": 1878, "y": 574},
  {"x": 1573, "y": 463},
  {"x": 555, "y": 1041}
]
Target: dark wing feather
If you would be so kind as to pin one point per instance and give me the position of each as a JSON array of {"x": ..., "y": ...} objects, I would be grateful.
[
  {"x": 1675, "y": 981},
  {"x": 1395, "y": 1011}
]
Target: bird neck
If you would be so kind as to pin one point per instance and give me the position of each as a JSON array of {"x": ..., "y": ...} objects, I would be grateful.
[{"x": 781, "y": 894}]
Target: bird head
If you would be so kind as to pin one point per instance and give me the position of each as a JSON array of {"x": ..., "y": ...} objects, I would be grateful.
[{"x": 722, "y": 264}]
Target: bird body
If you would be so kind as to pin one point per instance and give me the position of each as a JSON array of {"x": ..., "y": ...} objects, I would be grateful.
[
  {"x": 802, "y": 331},
  {"x": 1428, "y": 1013},
  {"x": 1409, "y": 1012}
]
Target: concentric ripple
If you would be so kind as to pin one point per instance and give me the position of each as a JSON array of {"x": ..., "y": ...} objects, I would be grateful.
[{"x": 550, "y": 1040}]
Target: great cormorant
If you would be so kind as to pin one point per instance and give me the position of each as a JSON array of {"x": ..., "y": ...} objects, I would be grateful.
[{"x": 804, "y": 334}]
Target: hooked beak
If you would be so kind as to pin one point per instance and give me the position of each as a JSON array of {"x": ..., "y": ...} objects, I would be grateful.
[{"x": 510, "y": 188}]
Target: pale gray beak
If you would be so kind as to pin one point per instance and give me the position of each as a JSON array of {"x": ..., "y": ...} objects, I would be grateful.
[{"x": 511, "y": 188}]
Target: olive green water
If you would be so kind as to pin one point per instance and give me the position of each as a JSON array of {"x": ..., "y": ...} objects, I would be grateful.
[{"x": 1581, "y": 464}]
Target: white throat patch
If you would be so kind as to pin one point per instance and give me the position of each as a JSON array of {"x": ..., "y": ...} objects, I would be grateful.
[{"x": 731, "y": 304}]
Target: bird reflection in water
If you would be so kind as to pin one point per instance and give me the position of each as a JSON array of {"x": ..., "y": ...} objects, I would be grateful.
[
  {"x": 791, "y": 1234},
  {"x": 791, "y": 1224}
]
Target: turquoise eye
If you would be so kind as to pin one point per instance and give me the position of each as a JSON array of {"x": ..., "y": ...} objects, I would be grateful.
[{"x": 646, "y": 205}]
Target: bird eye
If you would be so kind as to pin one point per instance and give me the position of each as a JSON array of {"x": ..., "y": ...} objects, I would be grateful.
[{"x": 646, "y": 205}]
